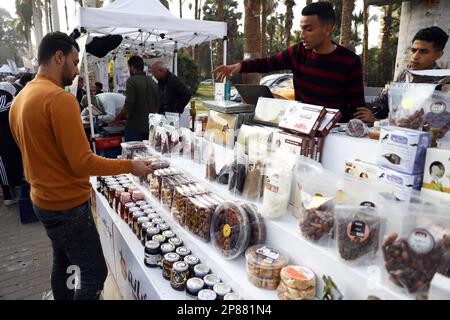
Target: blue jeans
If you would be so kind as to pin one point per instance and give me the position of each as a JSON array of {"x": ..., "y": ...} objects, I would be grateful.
[
  {"x": 133, "y": 135},
  {"x": 77, "y": 253}
]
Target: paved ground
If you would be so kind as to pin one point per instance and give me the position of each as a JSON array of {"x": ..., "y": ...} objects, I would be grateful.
[{"x": 26, "y": 259}]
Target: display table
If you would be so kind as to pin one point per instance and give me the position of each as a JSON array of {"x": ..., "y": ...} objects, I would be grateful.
[{"x": 124, "y": 252}]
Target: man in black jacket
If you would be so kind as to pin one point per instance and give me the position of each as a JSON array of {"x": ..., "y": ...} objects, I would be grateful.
[{"x": 174, "y": 94}]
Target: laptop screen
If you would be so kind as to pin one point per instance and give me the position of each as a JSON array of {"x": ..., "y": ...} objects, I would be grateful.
[{"x": 251, "y": 92}]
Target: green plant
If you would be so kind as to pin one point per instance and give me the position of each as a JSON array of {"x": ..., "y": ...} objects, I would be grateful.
[{"x": 188, "y": 71}]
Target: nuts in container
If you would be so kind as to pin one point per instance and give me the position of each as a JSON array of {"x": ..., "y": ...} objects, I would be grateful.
[{"x": 198, "y": 219}]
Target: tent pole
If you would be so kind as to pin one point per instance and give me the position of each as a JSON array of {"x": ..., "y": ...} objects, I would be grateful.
[
  {"x": 175, "y": 56},
  {"x": 225, "y": 49},
  {"x": 211, "y": 58},
  {"x": 88, "y": 93}
]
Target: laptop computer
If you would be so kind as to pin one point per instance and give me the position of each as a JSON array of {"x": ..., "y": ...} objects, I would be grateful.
[{"x": 251, "y": 92}]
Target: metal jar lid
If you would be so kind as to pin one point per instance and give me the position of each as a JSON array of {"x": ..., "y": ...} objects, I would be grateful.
[
  {"x": 147, "y": 224},
  {"x": 207, "y": 294},
  {"x": 168, "y": 233},
  {"x": 183, "y": 251},
  {"x": 222, "y": 289},
  {"x": 176, "y": 241},
  {"x": 133, "y": 209},
  {"x": 167, "y": 247},
  {"x": 157, "y": 220},
  {"x": 232, "y": 296},
  {"x": 163, "y": 226},
  {"x": 141, "y": 203},
  {"x": 151, "y": 213},
  {"x": 191, "y": 260},
  {"x": 151, "y": 231},
  {"x": 152, "y": 244},
  {"x": 146, "y": 207},
  {"x": 130, "y": 205},
  {"x": 171, "y": 257},
  {"x": 137, "y": 214},
  {"x": 211, "y": 279},
  {"x": 180, "y": 266},
  {"x": 201, "y": 269},
  {"x": 195, "y": 284},
  {"x": 159, "y": 237},
  {"x": 143, "y": 220}
]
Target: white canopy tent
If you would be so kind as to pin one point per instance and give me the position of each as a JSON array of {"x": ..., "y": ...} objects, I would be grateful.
[{"x": 148, "y": 25}]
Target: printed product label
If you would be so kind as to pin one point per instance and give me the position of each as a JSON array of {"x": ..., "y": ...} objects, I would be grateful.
[
  {"x": 270, "y": 255},
  {"x": 421, "y": 241},
  {"x": 152, "y": 259},
  {"x": 358, "y": 231},
  {"x": 226, "y": 230},
  {"x": 273, "y": 183}
]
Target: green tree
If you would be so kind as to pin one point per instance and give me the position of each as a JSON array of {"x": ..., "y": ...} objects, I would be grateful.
[
  {"x": 288, "y": 21},
  {"x": 10, "y": 36},
  {"x": 188, "y": 71},
  {"x": 24, "y": 9}
]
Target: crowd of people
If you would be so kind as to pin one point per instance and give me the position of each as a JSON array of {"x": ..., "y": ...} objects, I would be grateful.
[{"x": 43, "y": 138}]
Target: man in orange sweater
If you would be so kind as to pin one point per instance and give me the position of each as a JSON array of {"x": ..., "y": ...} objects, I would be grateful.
[{"x": 46, "y": 124}]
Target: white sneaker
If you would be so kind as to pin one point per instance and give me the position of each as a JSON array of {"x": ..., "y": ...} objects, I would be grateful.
[{"x": 11, "y": 202}]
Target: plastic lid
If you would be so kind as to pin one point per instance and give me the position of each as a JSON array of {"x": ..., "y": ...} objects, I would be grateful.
[
  {"x": 222, "y": 289},
  {"x": 130, "y": 205},
  {"x": 168, "y": 233},
  {"x": 138, "y": 214},
  {"x": 152, "y": 230},
  {"x": 143, "y": 220},
  {"x": 207, "y": 294},
  {"x": 171, "y": 257},
  {"x": 157, "y": 220},
  {"x": 140, "y": 202},
  {"x": 134, "y": 209},
  {"x": 266, "y": 257},
  {"x": 230, "y": 230},
  {"x": 167, "y": 247},
  {"x": 195, "y": 284},
  {"x": 147, "y": 207},
  {"x": 152, "y": 215},
  {"x": 147, "y": 225},
  {"x": 159, "y": 237},
  {"x": 257, "y": 225},
  {"x": 175, "y": 241},
  {"x": 180, "y": 266},
  {"x": 152, "y": 244},
  {"x": 201, "y": 269},
  {"x": 162, "y": 226},
  {"x": 211, "y": 279},
  {"x": 232, "y": 296},
  {"x": 183, "y": 251},
  {"x": 299, "y": 273}
]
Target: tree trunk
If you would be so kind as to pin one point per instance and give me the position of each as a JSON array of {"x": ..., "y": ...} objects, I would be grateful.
[
  {"x": 55, "y": 15},
  {"x": 387, "y": 24},
  {"x": 346, "y": 22},
  {"x": 288, "y": 22},
  {"x": 308, "y": 2},
  {"x": 196, "y": 15},
  {"x": 365, "y": 53},
  {"x": 264, "y": 15},
  {"x": 165, "y": 3},
  {"x": 37, "y": 21},
  {"x": 181, "y": 8},
  {"x": 220, "y": 17},
  {"x": 252, "y": 36}
]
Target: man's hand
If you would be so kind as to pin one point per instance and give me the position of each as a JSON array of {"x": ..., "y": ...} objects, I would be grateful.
[
  {"x": 364, "y": 114},
  {"x": 224, "y": 71},
  {"x": 141, "y": 168}
]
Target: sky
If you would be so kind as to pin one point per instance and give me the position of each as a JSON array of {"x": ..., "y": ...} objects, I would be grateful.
[{"x": 374, "y": 27}]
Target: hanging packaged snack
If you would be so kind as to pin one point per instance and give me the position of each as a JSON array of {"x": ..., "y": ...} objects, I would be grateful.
[
  {"x": 210, "y": 162},
  {"x": 224, "y": 174},
  {"x": 254, "y": 180},
  {"x": 357, "y": 128},
  {"x": 358, "y": 231},
  {"x": 173, "y": 135},
  {"x": 297, "y": 283},
  {"x": 407, "y": 103},
  {"x": 238, "y": 171},
  {"x": 258, "y": 231},
  {"x": 179, "y": 210},
  {"x": 188, "y": 144},
  {"x": 131, "y": 148},
  {"x": 154, "y": 121},
  {"x": 165, "y": 139},
  {"x": 437, "y": 113},
  {"x": 230, "y": 230},
  {"x": 264, "y": 266},
  {"x": 319, "y": 194},
  {"x": 420, "y": 248},
  {"x": 173, "y": 119},
  {"x": 303, "y": 167},
  {"x": 277, "y": 185}
]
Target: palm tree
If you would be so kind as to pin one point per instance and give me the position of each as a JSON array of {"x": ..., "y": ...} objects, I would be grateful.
[
  {"x": 252, "y": 35},
  {"x": 387, "y": 25},
  {"x": 37, "y": 20},
  {"x": 289, "y": 17},
  {"x": 220, "y": 17},
  {"x": 365, "y": 53},
  {"x": 24, "y": 10},
  {"x": 346, "y": 22},
  {"x": 165, "y": 3}
]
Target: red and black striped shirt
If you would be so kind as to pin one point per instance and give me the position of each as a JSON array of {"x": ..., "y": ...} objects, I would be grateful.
[{"x": 331, "y": 80}]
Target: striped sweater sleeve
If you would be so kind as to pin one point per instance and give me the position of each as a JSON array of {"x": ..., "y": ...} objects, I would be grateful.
[{"x": 280, "y": 61}]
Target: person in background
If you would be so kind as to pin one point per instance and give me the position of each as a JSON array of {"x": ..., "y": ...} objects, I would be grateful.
[
  {"x": 98, "y": 88},
  {"x": 80, "y": 91},
  {"x": 142, "y": 98},
  {"x": 11, "y": 170},
  {"x": 22, "y": 81},
  {"x": 46, "y": 124},
  {"x": 109, "y": 102},
  {"x": 174, "y": 94},
  {"x": 427, "y": 47},
  {"x": 325, "y": 73}
]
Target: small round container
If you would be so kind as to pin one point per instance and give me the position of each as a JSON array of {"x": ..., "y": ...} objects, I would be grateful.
[
  {"x": 117, "y": 196},
  {"x": 141, "y": 203},
  {"x": 126, "y": 209},
  {"x": 167, "y": 264},
  {"x": 112, "y": 193},
  {"x": 166, "y": 248},
  {"x": 157, "y": 221},
  {"x": 152, "y": 254},
  {"x": 169, "y": 234},
  {"x": 125, "y": 197},
  {"x": 162, "y": 226},
  {"x": 160, "y": 238},
  {"x": 183, "y": 252},
  {"x": 201, "y": 270},
  {"x": 211, "y": 280},
  {"x": 264, "y": 265},
  {"x": 179, "y": 275},
  {"x": 140, "y": 223},
  {"x": 258, "y": 232},
  {"x": 221, "y": 289},
  {"x": 207, "y": 294},
  {"x": 192, "y": 261},
  {"x": 151, "y": 214},
  {"x": 232, "y": 296},
  {"x": 145, "y": 207},
  {"x": 177, "y": 242},
  {"x": 193, "y": 287},
  {"x": 151, "y": 232},
  {"x": 134, "y": 224},
  {"x": 129, "y": 218},
  {"x": 145, "y": 226}
]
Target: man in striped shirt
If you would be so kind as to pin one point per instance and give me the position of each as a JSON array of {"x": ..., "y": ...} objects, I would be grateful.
[{"x": 325, "y": 73}]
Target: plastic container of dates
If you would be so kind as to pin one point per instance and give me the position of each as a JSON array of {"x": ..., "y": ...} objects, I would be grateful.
[
  {"x": 230, "y": 229},
  {"x": 258, "y": 232},
  {"x": 264, "y": 266}
]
